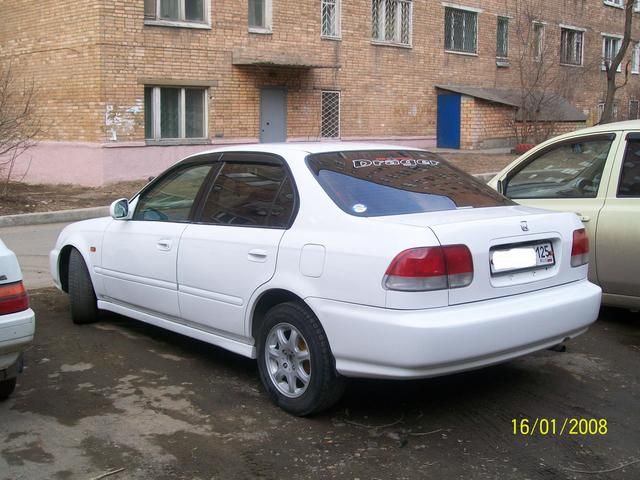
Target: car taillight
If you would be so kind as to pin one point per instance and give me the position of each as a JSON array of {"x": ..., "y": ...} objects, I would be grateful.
[
  {"x": 430, "y": 268},
  {"x": 13, "y": 298},
  {"x": 579, "y": 248}
]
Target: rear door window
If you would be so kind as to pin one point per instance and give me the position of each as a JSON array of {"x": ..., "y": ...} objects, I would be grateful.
[
  {"x": 394, "y": 182},
  {"x": 250, "y": 194},
  {"x": 629, "y": 185}
]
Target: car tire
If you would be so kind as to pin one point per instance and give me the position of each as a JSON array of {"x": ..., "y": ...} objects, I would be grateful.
[
  {"x": 84, "y": 305},
  {"x": 293, "y": 347},
  {"x": 7, "y": 387}
]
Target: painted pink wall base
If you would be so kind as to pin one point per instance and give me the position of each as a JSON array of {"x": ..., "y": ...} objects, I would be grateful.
[{"x": 96, "y": 164}]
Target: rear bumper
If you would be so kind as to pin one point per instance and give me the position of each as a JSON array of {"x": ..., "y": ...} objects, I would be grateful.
[
  {"x": 16, "y": 334},
  {"x": 385, "y": 343}
]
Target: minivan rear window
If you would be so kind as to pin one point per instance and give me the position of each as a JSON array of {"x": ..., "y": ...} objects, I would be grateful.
[{"x": 373, "y": 183}]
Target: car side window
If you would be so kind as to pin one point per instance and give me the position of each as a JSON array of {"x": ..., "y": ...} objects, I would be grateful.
[
  {"x": 250, "y": 194},
  {"x": 569, "y": 170},
  {"x": 629, "y": 185},
  {"x": 171, "y": 198}
]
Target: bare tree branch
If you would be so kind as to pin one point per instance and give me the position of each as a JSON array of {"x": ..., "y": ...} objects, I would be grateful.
[{"x": 20, "y": 123}]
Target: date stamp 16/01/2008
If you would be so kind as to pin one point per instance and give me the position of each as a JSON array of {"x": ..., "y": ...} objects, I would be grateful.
[{"x": 559, "y": 427}]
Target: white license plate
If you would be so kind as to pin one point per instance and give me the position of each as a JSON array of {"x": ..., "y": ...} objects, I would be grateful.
[{"x": 522, "y": 258}]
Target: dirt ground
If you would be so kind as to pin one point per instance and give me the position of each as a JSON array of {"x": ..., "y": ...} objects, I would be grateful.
[
  {"x": 24, "y": 198},
  {"x": 127, "y": 399}
]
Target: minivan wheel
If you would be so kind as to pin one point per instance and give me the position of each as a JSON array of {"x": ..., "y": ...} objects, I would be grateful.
[
  {"x": 295, "y": 362},
  {"x": 7, "y": 387},
  {"x": 84, "y": 306}
]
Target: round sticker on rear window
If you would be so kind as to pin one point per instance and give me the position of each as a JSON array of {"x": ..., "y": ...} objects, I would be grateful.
[{"x": 359, "y": 208}]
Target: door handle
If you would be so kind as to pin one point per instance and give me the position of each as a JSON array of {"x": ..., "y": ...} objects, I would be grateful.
[
  {"x": 257, "y": 255},
  {"x": 583, "y": 218},
  {"x": 164, "y": 245}
]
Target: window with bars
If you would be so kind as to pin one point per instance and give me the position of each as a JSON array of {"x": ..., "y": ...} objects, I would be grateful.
[
  {"x": 502, "y": 37},
  {"x": 538, "y": 41},
  {"x": 330, "y": 115},
  {"x": 174, "y": 113},
  {"x": 571, "y": 42},
  {"x": 601, "y": 111},
  {"x": 330, "y": 18},
  {"x": 391, "y": 21},
  {"x": 176, "y": 10},
  {"x": 610, "y": 47},
  {"x": 460, "y": 30}
]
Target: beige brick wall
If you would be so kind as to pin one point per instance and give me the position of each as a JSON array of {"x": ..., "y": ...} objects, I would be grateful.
[{"x": 90, "y": 58}]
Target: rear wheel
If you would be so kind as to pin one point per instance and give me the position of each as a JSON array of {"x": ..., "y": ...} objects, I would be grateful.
[
  {"x": 84, "y": 307},
  {"x": 7, "y": 387},
  {"x": 295, "y": 362}
]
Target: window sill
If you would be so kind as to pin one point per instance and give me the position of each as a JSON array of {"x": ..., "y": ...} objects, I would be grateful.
[
  {"x": 381, "y": 43},
  {"x": 572, "y": 65},
  {"x": 176, "y": 141},
  {"x": 329, "y": 37},
  {"x": 502, "y": 62},
  {"x": 261, "y": 31},
  {"x": 465, "y": 54},
  {"x": 611, "y": 4},
  {"x": 635, "y": 73},
  {"x": 177, "y": 24}
]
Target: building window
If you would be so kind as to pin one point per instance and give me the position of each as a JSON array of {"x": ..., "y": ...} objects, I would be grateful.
[
  {"x": 601, "y": 111},
  {"x": 460, "y": 30},
  {"x": 636, "y": 6},
  {"x": 610, "y": 47},
  {"x": 175, "y": 113},
  {"x": 538, "y": 41},
  {"x": 571, "y": 43},
  {"x": 176, "y": 10},
  {"x": 502, "y": 37},
  {"x": 330, "y": 121},
  {"x": 635, "y": 59},
  {"x": 260, "y": 16},
  {"x": 634, "y": 109},
  {"x": 391, "y": 21},
  {"x": 330, "y": 18}
]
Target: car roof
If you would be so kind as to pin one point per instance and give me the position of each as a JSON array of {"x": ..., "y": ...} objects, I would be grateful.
[
  {"x": 610, "y": 127},
  {"x": 304, "y": 147}
]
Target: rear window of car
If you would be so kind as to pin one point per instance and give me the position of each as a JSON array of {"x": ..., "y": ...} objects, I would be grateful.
[{"x": 375, "y": 183}]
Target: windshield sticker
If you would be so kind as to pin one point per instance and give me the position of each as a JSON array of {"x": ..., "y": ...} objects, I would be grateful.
[
  {"x": 359, "y": 208},
  {"x": 395, "y": 161}
]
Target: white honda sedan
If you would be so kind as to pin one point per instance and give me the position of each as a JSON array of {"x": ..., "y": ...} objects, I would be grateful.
[{"x": 326, "y": 261}]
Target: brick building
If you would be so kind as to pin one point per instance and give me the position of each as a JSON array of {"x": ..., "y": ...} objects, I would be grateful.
[{"x": 128, "y": 87}]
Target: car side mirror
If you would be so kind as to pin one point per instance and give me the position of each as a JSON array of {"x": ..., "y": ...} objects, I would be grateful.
[{"x": 119, "y": 209}]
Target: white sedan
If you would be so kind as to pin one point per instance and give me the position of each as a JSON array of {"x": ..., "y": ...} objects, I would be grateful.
[
  {"x": 17, "y": 321},
  {"x": 326, "y": 261}
]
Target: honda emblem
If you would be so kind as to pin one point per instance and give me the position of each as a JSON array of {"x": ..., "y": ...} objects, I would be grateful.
[{"x": 524, "y": 226}]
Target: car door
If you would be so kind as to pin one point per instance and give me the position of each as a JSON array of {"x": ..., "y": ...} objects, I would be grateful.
[
  {"x": 139, "y": 255},
  {"x": 618, "y": 236},
  {"x": 232, "y": 247},
  {"x": 570, "y": 175}
]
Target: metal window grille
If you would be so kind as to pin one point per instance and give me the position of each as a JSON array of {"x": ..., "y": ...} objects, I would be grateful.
[
  {"x": 460, "y": 30},
  {"x": 330, "y": 121},
  {"x": 571, "y": 47},
  {"x": 330, "y": 18},
  {"x": 391, "y": 21},
  {"x": 502, "y": 37},
  {"x": 634, "y": 109}
]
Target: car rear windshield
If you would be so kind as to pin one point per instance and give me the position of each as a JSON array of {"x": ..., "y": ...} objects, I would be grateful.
[{"x": 375, "y": 183}]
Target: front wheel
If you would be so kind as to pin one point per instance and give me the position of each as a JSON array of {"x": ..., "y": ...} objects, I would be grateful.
[
  {"x": 84, "y": 306},
  {"x": 295, "y": 362}
]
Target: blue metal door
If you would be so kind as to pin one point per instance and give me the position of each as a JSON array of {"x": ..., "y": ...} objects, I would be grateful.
[{"x": 448, "y": 121}]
